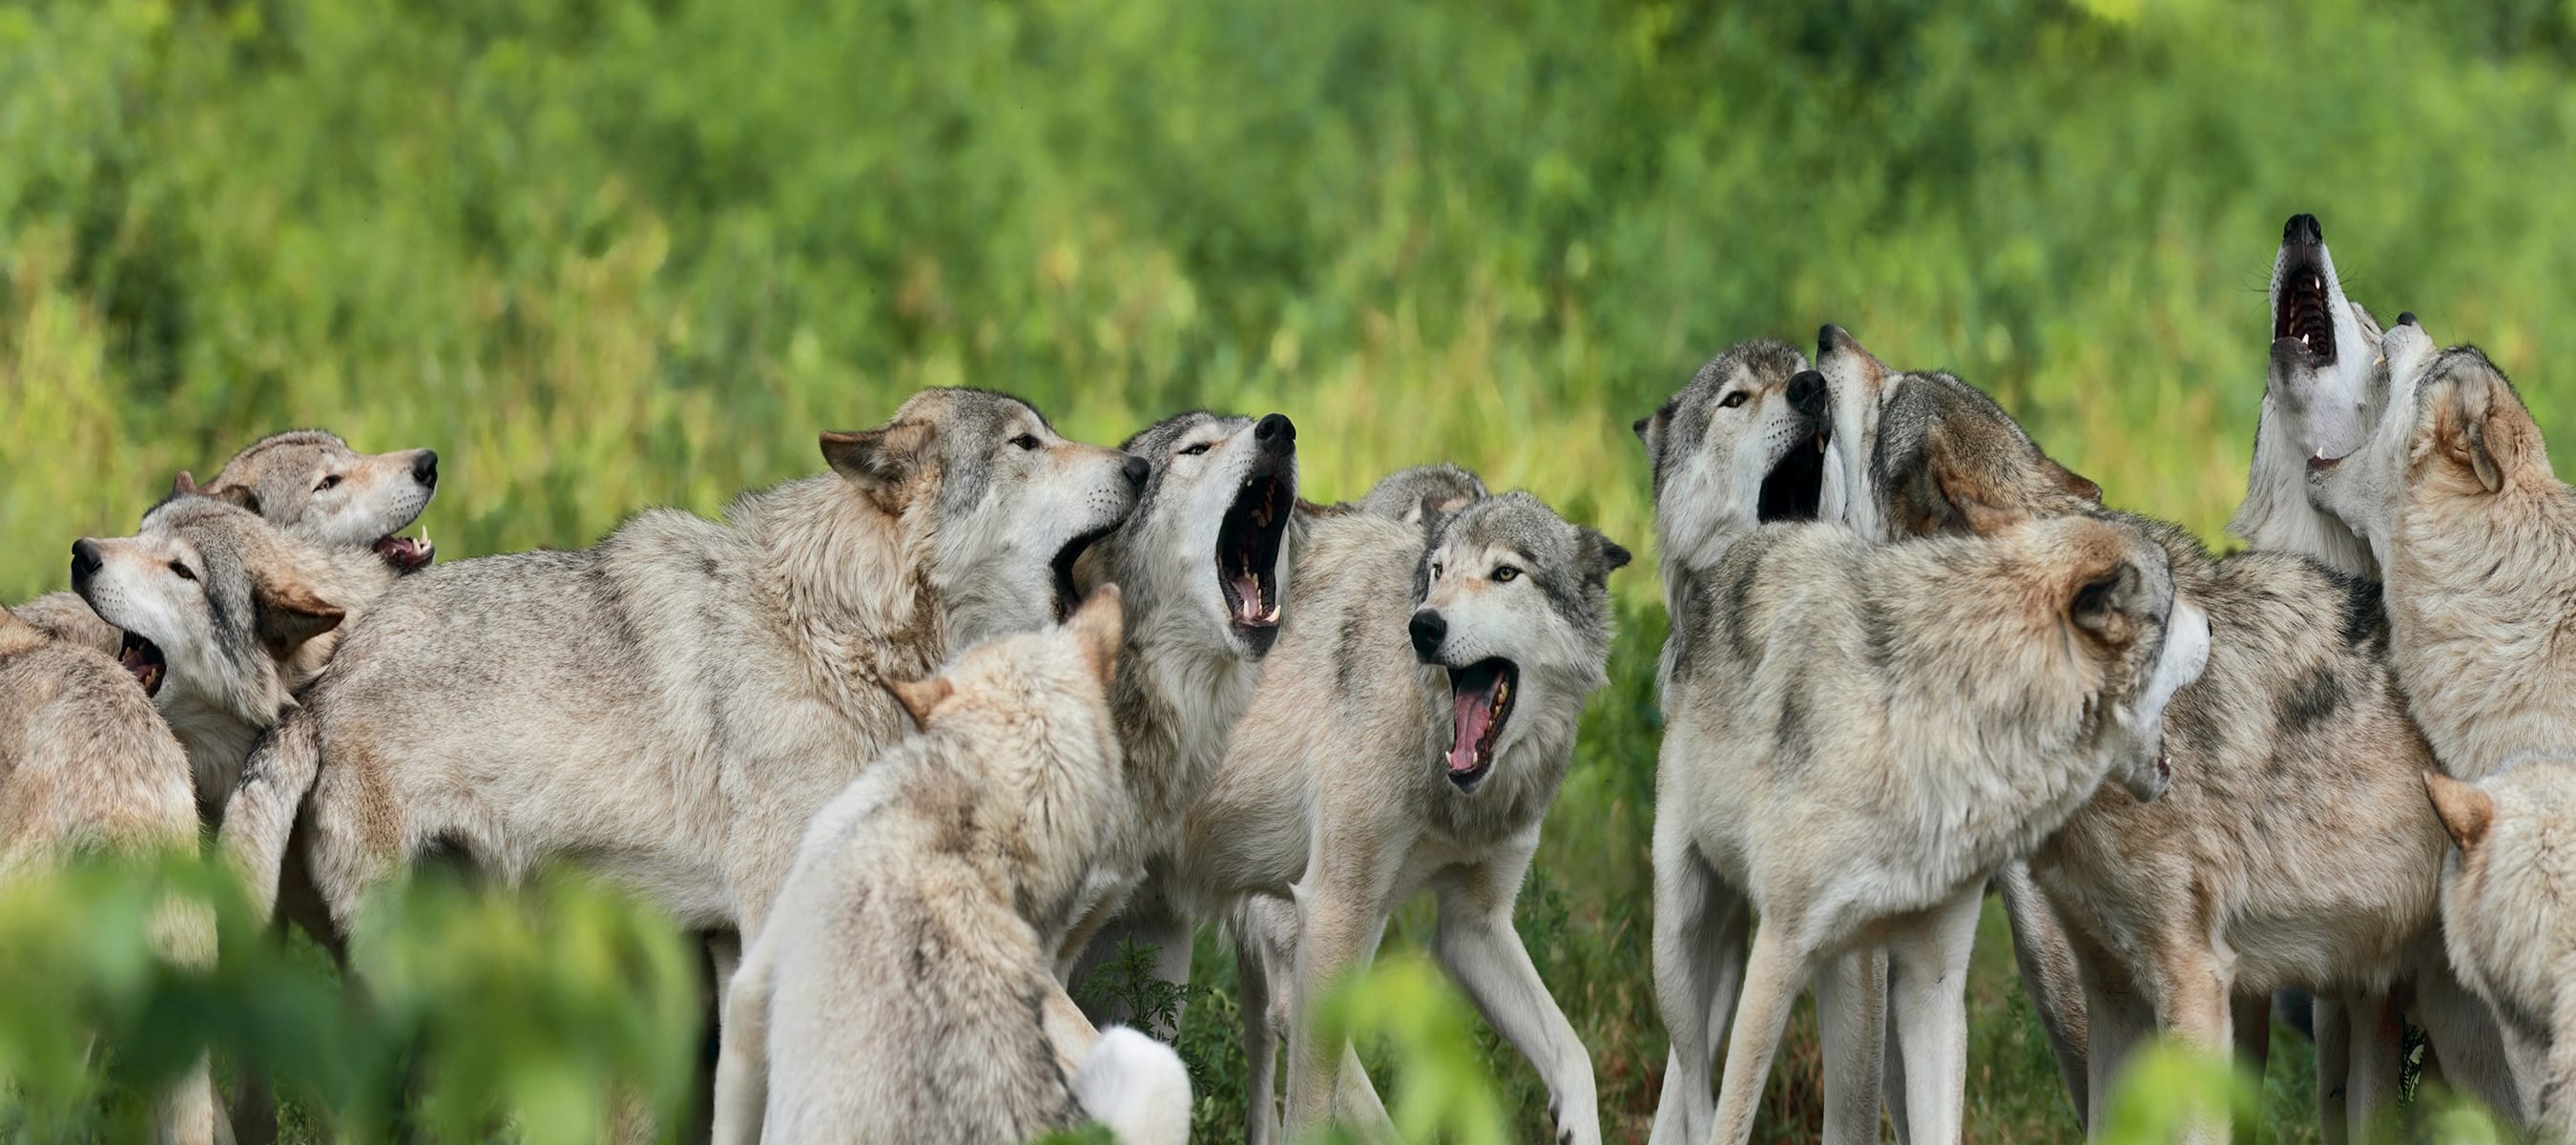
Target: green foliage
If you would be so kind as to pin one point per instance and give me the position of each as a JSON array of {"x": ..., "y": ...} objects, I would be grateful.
[{"x": 605, "y": 255}]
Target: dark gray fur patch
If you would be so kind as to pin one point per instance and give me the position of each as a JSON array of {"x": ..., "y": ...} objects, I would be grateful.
[
  {"x": 2313, "y": 701},
  {"x": 1737, "y": 604},
  {"x": 1793, "y": 742},
  {"x": 2365, "y": 615}
]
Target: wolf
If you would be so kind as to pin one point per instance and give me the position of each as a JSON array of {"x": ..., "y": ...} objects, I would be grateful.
[
  {"x": 1423, "y": 493},
  {"x": 1205, "y": 561},
  {"x": 674, "y": 703},
  {"x": 310, "y": 484},
  {"x": 1409, "y": 731},
  {"x": 224, "y": 617},
  {"x": 2509, "y": 915},
  {"x": 1742, "y": 444},
  {"x": 86, "y": 764},
  {"x": 898, "y": 995},
  {"x": 2320, "y": 395},
  {"x": 2295, "y": 757},
  {"x": 2477, "y": 538}
]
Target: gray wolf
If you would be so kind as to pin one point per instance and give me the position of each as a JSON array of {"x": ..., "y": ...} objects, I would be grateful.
[
  {"x": 2509, "y": 916},
  {"x": 2320, "y": 396},
  {"x": 87, "y": 765},
  {"x": 1788, "y": 620},
  {"x": 897, "y": 995},
  {"x": 672, "y": 704},
  {"x": 2477, "y": 538},
  {"x": 1408, "y": 731},
  {"x": 1422, "y": 493},
  {"x": 2243, "y": 880},
  {"x": 1205, "y": 561},
  {"x": 310, "y": 484},
  {"x": 224, "y": 617}
]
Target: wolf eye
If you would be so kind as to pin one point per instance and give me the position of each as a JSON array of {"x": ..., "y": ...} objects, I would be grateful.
[
  {"x": 1735, "y": 399},
  {"x": 1506, "y": 574},
  {"x": 182, "y": 571},
  {"x": 1198, "y": 449},
  {"x": 327, "y": 483},
  {"x": 1435, "y": 570},
  {"x": 1027, "y": 441}
]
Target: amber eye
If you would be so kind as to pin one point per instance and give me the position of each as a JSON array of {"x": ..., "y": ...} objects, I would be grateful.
[
  {"x": 182, "y": 571},
  {"x": 328, "y": 483},
  {"x": 1027, "y": 441},
  {"x": 1735, "y": 399},
  {"x": 1505, "y": 574},
  {"x": 1198, "y": 449}
]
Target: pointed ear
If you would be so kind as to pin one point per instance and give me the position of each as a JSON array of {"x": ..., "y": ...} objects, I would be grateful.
[
  {"x": 1602, "y": 556},
  {"x": 2070, "y": 480},
  {"x": 2486, "y": 432},
  {"x": 920, "y": 697},
  {"x": 1098, "y": 626},
  {"x": 290, "y": 613},
  {"x": 880, "y": 460},
  {"x": 2100, "y": 588},
  {"x": 239, "y": 495},
  {"x": 183, "y": 484},
  {"x": 2465, "y": 811}
]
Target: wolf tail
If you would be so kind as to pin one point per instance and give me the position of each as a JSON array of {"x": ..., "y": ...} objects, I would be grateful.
[
  {"x": 1137, "y": 1087},
  {"x": 261, "y": 814}
]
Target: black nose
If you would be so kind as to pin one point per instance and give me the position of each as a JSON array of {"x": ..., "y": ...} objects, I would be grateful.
[
  {"x": 424, "y": 469},
  {"x": 1807, "y": 392},
  {"x": 1135, "y": 469},
  {"x": 1830, "y": 338},
  {"x": 1428, "y": 631},
  {"x": 2303, "y": 228},
  {"x": 2406, "y": 318},
  {"x": 1275, "y": 431},
  {"x": 85, "y": 563}
]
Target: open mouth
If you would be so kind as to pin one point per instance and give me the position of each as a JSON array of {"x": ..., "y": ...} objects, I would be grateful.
[
  {"x": 2303, "y": 314},
  {"x": 1067, "y": 597},
  {"x": 1483, "y": 694},
  {"x": 1796, "y": 485},
  {"x": 2320, "y": 463},
  {"x": 142, "y": 660},
  {"x": 407, "y": 554},
  {"x": 1247, "y": 552}
]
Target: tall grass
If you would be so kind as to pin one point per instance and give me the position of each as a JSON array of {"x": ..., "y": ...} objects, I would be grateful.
[{"x": 607, "y": 255}]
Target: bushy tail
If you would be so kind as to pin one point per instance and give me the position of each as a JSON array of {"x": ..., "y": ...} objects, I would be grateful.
[
  {"x": 1137, "y": 1087},
  {"x": 261, "y": 814}
]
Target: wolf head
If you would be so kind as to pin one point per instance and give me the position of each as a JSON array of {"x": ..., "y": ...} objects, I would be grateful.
[
  {"x": 2101, "y": 591},
  {"x": 1514, "y": 602},
  {"x": 1005, "y": 504},
  {"x": 1029, "y": 713},
  {"x": 312, "y": 485},
  {"x": 1416, "y": 496},
  {"x": 2455, "y": 437},
  {"x": 1743, "y": 443},
  {"x": 1206, "y": 548},
  {"x": 2509, "y": 891},
  {"x": 1924, "y": 454},
  {"x": 2322, "y": 393},
  {"x": 218, "y": 605}
]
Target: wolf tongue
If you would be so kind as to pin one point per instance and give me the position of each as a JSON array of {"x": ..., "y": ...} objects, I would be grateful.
[
  {"x": 1475, "y": 713},
  {"x": 1247, "y": 597}
]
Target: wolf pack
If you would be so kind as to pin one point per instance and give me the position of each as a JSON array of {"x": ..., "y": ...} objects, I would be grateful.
[{"x": 915, "y": 744}]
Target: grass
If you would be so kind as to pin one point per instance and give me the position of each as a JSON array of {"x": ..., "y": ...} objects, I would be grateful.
[{"x": 607, "y": 255}]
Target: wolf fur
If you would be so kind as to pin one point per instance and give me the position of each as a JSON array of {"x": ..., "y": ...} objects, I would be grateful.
[
  {"x": 2294, "y": 798},
  {"x": 2509, "y": 916},
  {"x": 2320, "y": 395},
  {"x": 900, "y": 993},
  {"x": 86, "y": 764},
  {"x": 2478, "y": 538},
  {"x": 1343, "y": 790},
  {"x": 674, "y": 703},
  {"x": 309, "y": 484}
]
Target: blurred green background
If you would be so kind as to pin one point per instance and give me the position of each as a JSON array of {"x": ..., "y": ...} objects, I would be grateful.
[{"x": 609, "y": 255}]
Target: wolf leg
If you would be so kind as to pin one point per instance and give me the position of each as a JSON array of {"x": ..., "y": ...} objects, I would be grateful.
[
  {"x": 1851, "y": 1010},
  {"x": 1475, "y": 940},
  {"x": 1774, "y": 973},
  {"x": 1929, "y": 994},
  {"x": 1699, "y": 962}
]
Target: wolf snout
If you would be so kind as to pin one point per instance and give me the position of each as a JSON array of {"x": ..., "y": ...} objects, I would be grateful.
[
  {"x": 1428, "y": 629},
  {"x": 1135, "y": 469},
  {"x": 2303, "y": 228},
  {"x": 1275, "y": 432},
  {"x": 1807, "y": 392},
  {"x": 86, "y": 561},
  {"x": 424, "y": 468}
]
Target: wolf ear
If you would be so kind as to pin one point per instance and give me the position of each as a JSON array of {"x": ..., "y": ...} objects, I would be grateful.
[
  {"x": 879, "y": 460},
  {"x": 1602, "y": 556},
  {"x": 290, "y": 614},
  {"x": 1098, "y": 626},
  {"x": 2465, "y": 811},
  {"x": 2070, "y": 480},
  {"x": 183, "y": 484},
  {"x": 2486, "y": 430},
  {"x": 2099, "y": 593},
  {"x": 240, "y": 495},
  {"x": 919, "y": 697}
]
